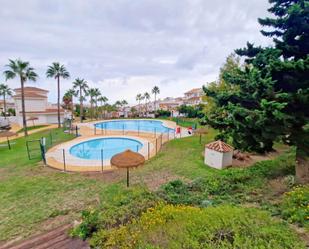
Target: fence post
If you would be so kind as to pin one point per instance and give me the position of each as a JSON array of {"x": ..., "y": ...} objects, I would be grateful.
[
  {"x": 28, "y": 150},
  {"x": 136, "y": 148},
  {"x": 101, "y": 128},
  {"x": 148, "y": 150},
  {"x": 123, "y": 129},
  {"x": 95, "y": 130},
  {"x": 51, "y": 138},
  {"x": 155, "y": 132},
  {"x": 102, "y": 160},
  {"x": 156, "y": 145},
  {"x": 9, "y": 145},
  {"x": 64, "y": 165},
  {"x": 180, "y": 132}
]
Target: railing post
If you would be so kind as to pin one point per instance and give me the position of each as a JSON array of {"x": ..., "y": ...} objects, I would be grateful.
[
  {"x": 76, "y": 131},
  {"x": 95, "y": 130},
  {"x": 180, "y": 132},
  {"x": 102, "y": 160},
  {"x": 101, "y": 128},
  {"x": 64, "y": 164},
  {"x": 156, "y": 145},
  {"x": 28, "y": 152},
  {"x": 123, "y": 129},
  {"x": 136, "y": 148},
  {"x": 155, "y": 129}
]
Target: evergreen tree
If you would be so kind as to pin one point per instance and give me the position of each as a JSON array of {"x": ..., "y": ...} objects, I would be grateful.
[{"x": 273, "y": 97}]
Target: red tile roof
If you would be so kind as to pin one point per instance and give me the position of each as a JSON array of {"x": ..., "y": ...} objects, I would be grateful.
[
  {"x": 194, "y": 90},
  {"x": 219, "y": 146},
  {"x": 31, "y": 88}
]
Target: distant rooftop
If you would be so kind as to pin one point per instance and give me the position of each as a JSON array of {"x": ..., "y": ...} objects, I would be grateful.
[{"x": 32, "y": 89}]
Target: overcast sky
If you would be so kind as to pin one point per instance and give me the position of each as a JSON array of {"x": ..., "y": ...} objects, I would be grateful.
[{"x": 125, "y": 47}]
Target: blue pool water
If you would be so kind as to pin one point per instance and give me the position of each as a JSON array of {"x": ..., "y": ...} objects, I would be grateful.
[
  {"x": 135, "y": 125},
  {"x": 92, "y": 149}
]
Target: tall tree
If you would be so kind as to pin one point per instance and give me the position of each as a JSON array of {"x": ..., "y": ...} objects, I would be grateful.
[
  {"x": 139, "y": 99},
  {"x": 57, "y": 71},
  {"x": 22, "y": 70},
  {"x": 155, "y": 91},
  {"x": 103, "y": 101},
  {"x": 69, "y": 95},
  {"x": 81, "y": 87},
  {"x": 94, "y": 93},
  {"x": 273, "y": 96},
  {"x": 146, "y": 97},
  {"x": 124, "y": 103},
  {"x": 5, "y": 91}
]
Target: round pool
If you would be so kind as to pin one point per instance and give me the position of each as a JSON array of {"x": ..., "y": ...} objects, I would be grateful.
[
  {"x": 154, "y": 126},
  {"x": 107, "y": 147}
]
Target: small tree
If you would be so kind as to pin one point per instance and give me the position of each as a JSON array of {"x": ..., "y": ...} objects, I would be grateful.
[
  {"x": 81, "y": 87},
  {"x": 22, "y": 70},
  {"x": 155, "y": 91},
  {"x": 5, "y": 91},
  {"x": 57, "y": 71}
]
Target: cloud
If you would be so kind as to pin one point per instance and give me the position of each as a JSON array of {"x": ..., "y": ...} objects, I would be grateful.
[{"x": 125, "y": 47}]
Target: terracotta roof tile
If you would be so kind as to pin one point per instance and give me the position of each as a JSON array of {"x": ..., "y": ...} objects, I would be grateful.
[
  {"x": 31, "y": 88},
  {"x": 219, "y": 146}
]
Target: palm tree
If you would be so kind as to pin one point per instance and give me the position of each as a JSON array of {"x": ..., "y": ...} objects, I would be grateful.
[
  {"x": 139, "y": 98},
  {"x": 94, "y": 93},
  {"x": 21, "y": 69},
  {"x": 96, "y": 97},
  {"x": 103, "y": 101},
  {"x": 123, "y": 105},
  {"x": 80, "y": 85},
  {"x": 146, "y": 97},
  {"x": 5, "y": 91},
  {"x": 57, "y": 71},
  {"x": 155, "y": 91},
  {"x": 70, "y": 94}
]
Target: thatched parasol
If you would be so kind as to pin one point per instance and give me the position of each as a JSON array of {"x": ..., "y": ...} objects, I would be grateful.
[
  {"x": 126, "y": 160},
  {"x": 8, "y": 134},
  {"x": 201, "y": 131},
  {"x": 32, "y": 119}
]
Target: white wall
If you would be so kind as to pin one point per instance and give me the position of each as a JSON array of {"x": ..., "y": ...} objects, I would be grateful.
[
  {"x": 217, "y": 159},
  {"x": 31, "y": 105}
]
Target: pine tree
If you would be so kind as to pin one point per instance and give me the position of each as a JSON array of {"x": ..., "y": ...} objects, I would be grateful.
[{"x": 273, "y": 97}]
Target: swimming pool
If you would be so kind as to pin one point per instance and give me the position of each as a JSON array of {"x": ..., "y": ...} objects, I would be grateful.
[
  {"x": 107, "y": 147},
  {"x": 154, "y": 126}
]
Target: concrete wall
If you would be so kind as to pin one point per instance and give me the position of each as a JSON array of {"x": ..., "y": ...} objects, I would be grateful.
[
  {"x": 31, "y": 105},
  {"x": 217, "y": 159}
]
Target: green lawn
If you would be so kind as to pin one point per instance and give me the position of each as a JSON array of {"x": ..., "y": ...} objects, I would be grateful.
[
  {"x": 34, "y": 197},
  {"x": 29, "y": 128}
]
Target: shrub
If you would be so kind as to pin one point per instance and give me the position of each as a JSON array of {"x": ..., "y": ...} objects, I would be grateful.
[
  {"x": 119, "y": 210},
  {"x": 168, "y": 226},
  {"x": 295, "y": 206}
]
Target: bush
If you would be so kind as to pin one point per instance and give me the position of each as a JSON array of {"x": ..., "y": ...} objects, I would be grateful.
[
  {"x": 118, "y": 211},
  {"x": 295, "y": 206},
  {"x": 168, "y": 226}
]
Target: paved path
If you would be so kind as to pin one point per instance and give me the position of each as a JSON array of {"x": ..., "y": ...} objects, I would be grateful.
[{"x": 16, "y": 128}]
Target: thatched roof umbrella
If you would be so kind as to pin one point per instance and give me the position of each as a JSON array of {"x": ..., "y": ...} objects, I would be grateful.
[
  {"x": 201, "y": 131},
  {"x": 126, "y": 160},
  {"x": 32, "y": 119},
  {"x": 8, "y": 134}
]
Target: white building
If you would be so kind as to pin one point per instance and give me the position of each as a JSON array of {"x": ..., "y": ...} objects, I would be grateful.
[
  {"x": 218, "y": 154},
  {"x": 194, "y": 96},
  {"x": 36, "y": 106}
]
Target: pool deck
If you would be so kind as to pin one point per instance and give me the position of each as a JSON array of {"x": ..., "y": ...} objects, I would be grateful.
[{"x": 153, "y": 141}]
